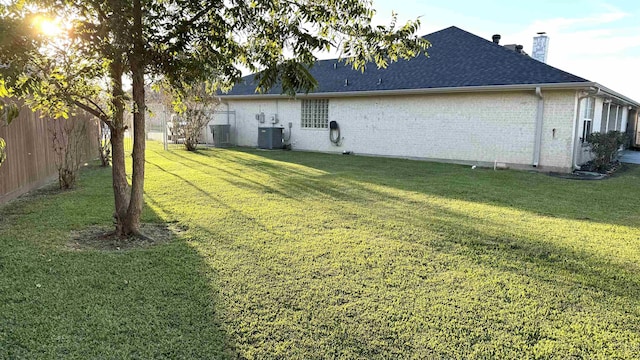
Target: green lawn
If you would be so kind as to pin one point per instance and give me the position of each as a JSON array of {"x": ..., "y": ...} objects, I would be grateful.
[{"x": 302, "y": 256}]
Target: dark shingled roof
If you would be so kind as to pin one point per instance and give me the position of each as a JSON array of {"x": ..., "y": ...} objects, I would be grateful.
[{"x": 457, "y": 58}]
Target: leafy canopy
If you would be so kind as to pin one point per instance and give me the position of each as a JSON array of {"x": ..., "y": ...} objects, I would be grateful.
[
  {"x": 190, "y": 41},
  {"x": 52, "y": 75},
  {"x": 277, "y": 38}
]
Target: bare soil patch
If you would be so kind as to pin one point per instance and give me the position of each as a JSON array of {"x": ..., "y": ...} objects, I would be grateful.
[{"x": 104, "y": 238}]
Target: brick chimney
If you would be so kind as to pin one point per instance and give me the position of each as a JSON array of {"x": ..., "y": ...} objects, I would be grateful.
[{"x": 540, "y": 47}]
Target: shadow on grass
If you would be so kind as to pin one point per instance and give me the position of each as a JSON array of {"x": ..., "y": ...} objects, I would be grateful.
[
  {"x": 516, "y": 249},
  {"x": 604, "y": 201},
  {"x": 309, "y": 277},
  {"x": 157, "y": 302}
]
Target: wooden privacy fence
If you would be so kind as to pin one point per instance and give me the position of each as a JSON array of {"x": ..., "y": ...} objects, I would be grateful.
[{"x": 30, "y": 155}]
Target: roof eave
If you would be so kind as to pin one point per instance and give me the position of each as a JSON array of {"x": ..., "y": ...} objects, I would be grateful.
[
  {"x": 445, "y": 90},
  {"x": 617, "y": 96}
]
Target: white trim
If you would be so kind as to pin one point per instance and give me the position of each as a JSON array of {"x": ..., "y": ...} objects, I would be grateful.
[{"x": 446, "y": 90}]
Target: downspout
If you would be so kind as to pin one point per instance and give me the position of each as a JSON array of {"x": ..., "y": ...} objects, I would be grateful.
[
  {"x": 228, "y": 118},
  {"x": 235, "y": 127},
  {"x": 228, "y": 121},
  {"x": 537, "y": 145},
  {"x": 576, "y": 134}
]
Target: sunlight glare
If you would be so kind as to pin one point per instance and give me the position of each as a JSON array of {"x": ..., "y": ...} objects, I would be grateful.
[{"x": 49, "y": 27}]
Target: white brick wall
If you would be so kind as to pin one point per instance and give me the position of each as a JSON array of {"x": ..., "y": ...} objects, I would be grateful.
[
  {"x": 471, "y": 128},
  {"x": 559, "y": 114}
]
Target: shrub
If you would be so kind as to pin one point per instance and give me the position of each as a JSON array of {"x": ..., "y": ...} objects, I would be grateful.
[
  {"x": 604, "y": 147},
  {"x": 67, "y": 138},
  {"x": 193, "y": 105},
  {"x": 191, "y": 122}
]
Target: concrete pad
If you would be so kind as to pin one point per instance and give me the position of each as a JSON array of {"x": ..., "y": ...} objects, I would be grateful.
[{"x": 630, "y": 157}]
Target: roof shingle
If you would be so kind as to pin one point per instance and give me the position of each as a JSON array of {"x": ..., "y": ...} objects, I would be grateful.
[{"x": 457, "y": 58}]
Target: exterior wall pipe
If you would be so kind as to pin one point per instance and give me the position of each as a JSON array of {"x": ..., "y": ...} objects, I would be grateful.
[
  {"x": 228, "y": 120},
  {"x": 537, "y": 145},
  {"x": 576, "y": 134}
]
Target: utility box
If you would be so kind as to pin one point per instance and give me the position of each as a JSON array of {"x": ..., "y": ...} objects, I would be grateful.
[
  {"x": 269, "y": 138},
  {"x": 221, "y": 135}
]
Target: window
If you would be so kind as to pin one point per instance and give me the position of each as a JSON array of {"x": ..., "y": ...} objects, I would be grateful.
[
  {"x": 605, "y": 117},
  {"x": 611, "y": 118},
  {"x": 619, "y": 118},
  {"x": 614, "y": 118},
  {"x": 586, "y": 129},
  {"x": 588, "y": 109},
  {"x": 315, "y": 114}
]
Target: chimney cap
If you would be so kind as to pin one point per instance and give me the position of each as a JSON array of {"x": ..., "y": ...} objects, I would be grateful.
[
  {"x": 542, "y": 33},
  {"x": 496, "y": 38}
]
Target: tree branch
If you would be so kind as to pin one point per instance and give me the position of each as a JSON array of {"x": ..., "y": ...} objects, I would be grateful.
[
  {"x": 97, "y": 113},
  {"x": 97, "y": 107}
]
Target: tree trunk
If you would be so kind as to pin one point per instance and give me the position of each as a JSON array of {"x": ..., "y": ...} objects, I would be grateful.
[
  {"x": 104, "y": 146},
  {"x": 118, "y": 170},
  {"x": 120, "y": 184},
  {"x": 136, "y": 60}
]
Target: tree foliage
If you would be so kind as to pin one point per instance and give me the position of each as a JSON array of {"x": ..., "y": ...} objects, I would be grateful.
[
  {"x": 279, "y": 39},
  {"x": 8, "y": 112},
  {"x": 185, "y": 42}
]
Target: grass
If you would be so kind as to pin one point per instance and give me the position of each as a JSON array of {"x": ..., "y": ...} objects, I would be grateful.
[{"x": 302, "y": 255}]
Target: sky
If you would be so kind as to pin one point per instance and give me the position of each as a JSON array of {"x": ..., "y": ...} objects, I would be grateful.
[{"x": 596, "y": 40}]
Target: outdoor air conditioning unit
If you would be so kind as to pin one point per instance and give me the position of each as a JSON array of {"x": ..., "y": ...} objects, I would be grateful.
[{"x": 270, "y": 138}]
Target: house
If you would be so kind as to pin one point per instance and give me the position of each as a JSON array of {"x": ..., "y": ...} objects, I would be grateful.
[{"x": 471, "y": 101}]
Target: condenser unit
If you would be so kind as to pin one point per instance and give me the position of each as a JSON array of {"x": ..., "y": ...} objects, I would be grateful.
[{"x": 270, "y": 138}]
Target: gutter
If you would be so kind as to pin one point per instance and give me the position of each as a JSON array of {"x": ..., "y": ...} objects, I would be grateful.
[
  {"x": 595, "y": 91},
  {"x": 443, "y": 90},
  {"x": 612, "y": 94},
  {"x": 537, "y": 145}
]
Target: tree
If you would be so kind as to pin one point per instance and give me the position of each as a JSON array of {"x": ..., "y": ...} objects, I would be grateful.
[
  {"x": 190, "y": 41},
  {"x": 194, "y": 105},
  {"x": 66, "y": 137},
  {"x": 59, "y": 75}
]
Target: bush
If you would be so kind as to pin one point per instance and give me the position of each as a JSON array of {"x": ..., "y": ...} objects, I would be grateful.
[
  {"x": 605, "y": 147},
  {"x": 67, "y": 138},
  {"x": 191, "y": 122},
  {"x": 194, "y": 104}
]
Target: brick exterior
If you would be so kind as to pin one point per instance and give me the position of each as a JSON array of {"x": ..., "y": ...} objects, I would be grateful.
[{"x": 472, "y": 128}]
